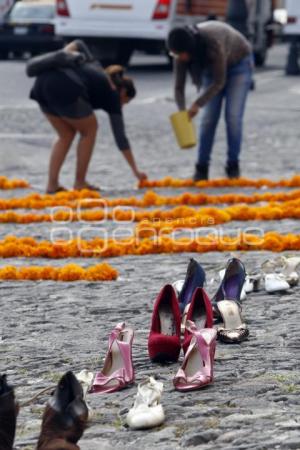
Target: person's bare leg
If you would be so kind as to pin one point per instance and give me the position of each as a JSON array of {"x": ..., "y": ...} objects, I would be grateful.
[
  {"x": 87, "y": 127},
  {"x": 60, "y": 149}
]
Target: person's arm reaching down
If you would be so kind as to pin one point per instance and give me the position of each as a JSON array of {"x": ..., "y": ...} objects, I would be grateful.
[
  {"x": 118, "y": 129},
  {"x": 180, "y": 71},
  {"x": 218, "y": 68}
]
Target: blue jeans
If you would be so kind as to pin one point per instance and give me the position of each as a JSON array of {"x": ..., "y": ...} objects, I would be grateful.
[{"x": 235, "y": 91}]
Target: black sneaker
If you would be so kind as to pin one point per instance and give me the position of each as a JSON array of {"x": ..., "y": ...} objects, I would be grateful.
[
  {"x": 233, "y": 170},
  {"x": 201, "y": 172}
]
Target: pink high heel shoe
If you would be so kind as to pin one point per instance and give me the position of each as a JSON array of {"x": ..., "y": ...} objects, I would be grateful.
[
  {"x": 118, "y": 371},
  {"x": 197, "y": 367}
]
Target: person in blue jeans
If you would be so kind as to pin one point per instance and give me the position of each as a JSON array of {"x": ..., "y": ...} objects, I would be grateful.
[{"x": 219, "y": 59}]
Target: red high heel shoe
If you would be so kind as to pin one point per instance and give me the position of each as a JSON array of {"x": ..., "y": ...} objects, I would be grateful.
[
  {"x": 198, "y": 311},
  {"x": 164, "y": 337}
]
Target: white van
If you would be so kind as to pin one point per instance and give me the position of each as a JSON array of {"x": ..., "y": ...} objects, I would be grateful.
[
  {"x": 292, "y": 27},
  {"x": 115, "y": 28}
]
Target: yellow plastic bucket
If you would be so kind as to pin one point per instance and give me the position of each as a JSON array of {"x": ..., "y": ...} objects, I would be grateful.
[{"x": 184, "y": 129}]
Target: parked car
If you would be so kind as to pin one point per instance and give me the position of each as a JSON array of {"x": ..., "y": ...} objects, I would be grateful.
[
  {"x": 115, "y": 28},
  {"x": 29, "y": 27}
]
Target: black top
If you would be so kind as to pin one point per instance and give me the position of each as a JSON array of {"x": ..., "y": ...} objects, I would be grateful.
[
  {"x": 65, "y": 86},
  {"x": 98, "y": 89}
]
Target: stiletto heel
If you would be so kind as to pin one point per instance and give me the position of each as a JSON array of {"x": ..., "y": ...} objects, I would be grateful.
[
  {"x": 164, "y": 337},
  {"x": 198, "y": 311},
  {"x": 195, "y": 277},
  {"x": 234, "y": 329},
  {"x": 232, "y": 283},
  {"x": 226, "y": 304},
  {"x": 118, "y": 371},
  {"x": 197, "y": 368}
]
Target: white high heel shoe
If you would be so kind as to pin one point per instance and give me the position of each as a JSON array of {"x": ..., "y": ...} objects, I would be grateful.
[
  {"x": 285, "y": 266},
  {"x": 147, "y": 411},
  {"x": 276, "y": 282},
  {"x": 289, "y": 270}
]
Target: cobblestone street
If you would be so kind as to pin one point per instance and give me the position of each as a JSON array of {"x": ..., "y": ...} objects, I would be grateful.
[{"x": 47, "y": 328}]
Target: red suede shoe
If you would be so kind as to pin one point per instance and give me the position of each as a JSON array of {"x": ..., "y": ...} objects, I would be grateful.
[
  {"x": 164, "y": 337},
  {"x": 198, "y": 311}
]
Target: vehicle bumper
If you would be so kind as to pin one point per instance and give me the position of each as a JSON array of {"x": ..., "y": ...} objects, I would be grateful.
[
  {"x": 29, "y": 43},
  {"x": 153, "y": 30},
  {"x": 291, "y": 37}
]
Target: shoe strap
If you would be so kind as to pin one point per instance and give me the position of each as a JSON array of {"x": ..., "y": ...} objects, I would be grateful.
[
  {"x": 242, "y": 327},
  {"x": 151, "y": 397},
  {"x": 215, "y": 305},
  {"x": 102, "y": 380},
  {"x": 202, "y": 376},
  {"x": 115, "y": 333},
  {"x": 200, "y": 341}
]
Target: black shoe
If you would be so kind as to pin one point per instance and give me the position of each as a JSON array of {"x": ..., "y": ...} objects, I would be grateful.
[
  {"x": 233, "y": 170},
  {"x": 201, "y": 172},
  {"x": 8, "y": 415}
]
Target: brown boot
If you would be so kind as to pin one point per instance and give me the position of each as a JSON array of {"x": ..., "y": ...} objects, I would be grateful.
[
  {"x": 8, "y": 415},
  {"x": 65, "y": 416}
]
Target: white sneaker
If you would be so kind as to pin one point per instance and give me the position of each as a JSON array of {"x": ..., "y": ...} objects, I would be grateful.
[
  {"x": 147, "y": 411},
  {"x": 275, "y": 282}
]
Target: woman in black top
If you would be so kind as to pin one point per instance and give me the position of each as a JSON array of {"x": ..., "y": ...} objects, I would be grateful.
[{"x": 68, "y": 98}]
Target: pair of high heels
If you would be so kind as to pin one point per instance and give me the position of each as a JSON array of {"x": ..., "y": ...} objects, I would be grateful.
[
  {"x": 226, "y": 303},
  {"x": 199, "y": 341},
  {"x": 163, "y": 344},
  {"x": 64, "y": 419},
  {"x": 168, "y": 321}
]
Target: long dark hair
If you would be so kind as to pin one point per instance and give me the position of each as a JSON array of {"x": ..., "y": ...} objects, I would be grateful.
[
  {"x": 187, "y": 39},
  {"x": 120, "y": 80}
]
